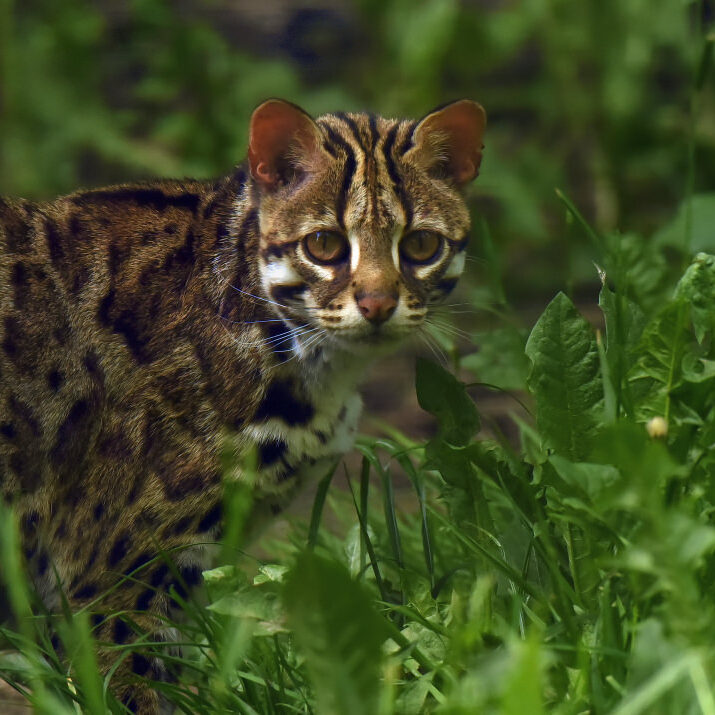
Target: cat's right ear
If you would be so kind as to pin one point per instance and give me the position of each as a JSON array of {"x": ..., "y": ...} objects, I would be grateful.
[{"x": 283, "y": 141}]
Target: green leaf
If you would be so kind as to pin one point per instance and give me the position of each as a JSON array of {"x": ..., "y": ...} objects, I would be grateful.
[
  {"x": 658, "y": 370},
  {"x": 702, "y": 220},
  {"x": 697, "y": 369},
  {"x": 624, "y": 323},
  {"x": 441, "y": 394},
  {"x": 500, "y": 360},
  {"x": 697, "y": 288},
  {"x": 564, "y": 378},
  {"x": 593, "y": 479},
  {"x": 522, "y": 691},
  {"x": 340, "y": 634}
]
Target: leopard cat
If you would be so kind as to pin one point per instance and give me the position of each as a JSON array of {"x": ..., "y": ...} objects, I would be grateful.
[{"x": 140, "y": 323}]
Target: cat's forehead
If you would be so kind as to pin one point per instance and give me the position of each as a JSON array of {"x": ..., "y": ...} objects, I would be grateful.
[{"x": 368, "y": 187}]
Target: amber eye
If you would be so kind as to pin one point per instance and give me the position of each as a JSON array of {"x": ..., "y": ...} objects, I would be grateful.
[
  {"x": 421, "y": 246},
  {"x": 326, "y": 246}
]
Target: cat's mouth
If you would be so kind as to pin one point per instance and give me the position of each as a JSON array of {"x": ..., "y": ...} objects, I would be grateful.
[{"x": 367, "y": 336}]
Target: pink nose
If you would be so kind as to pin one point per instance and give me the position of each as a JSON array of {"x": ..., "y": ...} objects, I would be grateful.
[{"x": 376, "y": 307}]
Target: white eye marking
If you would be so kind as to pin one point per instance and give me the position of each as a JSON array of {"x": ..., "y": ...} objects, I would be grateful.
[
  {"x": 423, "y": 271},
  {"x": 354, "y": 251},
  {"x": 324, "y": 272},
  {"x": 455, "y": 268},
  {"x": 280, "y": 271},
  {"x": 396, "y": 238}
]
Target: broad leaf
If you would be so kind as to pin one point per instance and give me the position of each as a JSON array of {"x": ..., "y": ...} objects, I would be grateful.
[
  {"x": 340, "y": 634},
  {"x": 441, "y": 394},
  {"x": 564, "y": 378},
  {"x": 700, "y": 224},
  {"x": 658, "y": 371},
  {"x": 697, "y": 288}
]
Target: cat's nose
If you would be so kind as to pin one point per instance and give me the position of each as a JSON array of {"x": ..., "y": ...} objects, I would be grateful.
[{"x": 376, "y": 307}]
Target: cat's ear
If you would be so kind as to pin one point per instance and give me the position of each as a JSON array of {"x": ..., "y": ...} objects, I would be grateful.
[
  {"x": 449, "y": 141},
  {"x": 283, "y": 140}
]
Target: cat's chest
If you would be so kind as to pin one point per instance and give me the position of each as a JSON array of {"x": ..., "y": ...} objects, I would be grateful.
[{"x": 307, "y": 414}]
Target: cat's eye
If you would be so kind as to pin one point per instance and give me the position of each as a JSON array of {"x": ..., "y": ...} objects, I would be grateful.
[
  {"x": 326, "y": 246},
  {"x": 421, "y": 246}
]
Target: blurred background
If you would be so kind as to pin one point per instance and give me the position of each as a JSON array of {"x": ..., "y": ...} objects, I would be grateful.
[{"x": 598, "y": 98}]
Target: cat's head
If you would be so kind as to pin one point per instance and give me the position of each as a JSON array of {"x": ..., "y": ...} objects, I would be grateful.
[{"x": 362, "y": 220}]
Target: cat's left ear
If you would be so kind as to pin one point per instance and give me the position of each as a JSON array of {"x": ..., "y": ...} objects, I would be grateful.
[
  {"x": 283, "y": 141},
  {"x": 449, "y": 140}
]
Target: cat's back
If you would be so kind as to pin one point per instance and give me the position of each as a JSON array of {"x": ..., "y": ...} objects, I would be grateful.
[
  {"x": 92, "y": 286},
  {"x": 35, "y": 337}
]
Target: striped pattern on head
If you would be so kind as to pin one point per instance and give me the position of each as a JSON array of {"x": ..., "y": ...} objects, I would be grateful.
[{"x": 363, "y": 226}]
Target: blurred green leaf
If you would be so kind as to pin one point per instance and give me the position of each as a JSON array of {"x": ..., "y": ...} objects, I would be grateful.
[
  {"x": 564, "y": 378},
  {"x": 337, "y": 628},
  {"x": 442, "y": 395}
]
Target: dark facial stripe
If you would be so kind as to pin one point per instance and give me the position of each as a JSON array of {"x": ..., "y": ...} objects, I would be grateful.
[
  {"x": 446, "y": 285},
  {"x": 408, "y": 141},
  {"x": 387, "y": 149},
  {"x": 387, "y": 146},
  {"x": 374, "y": 135},
  {"x": 354, "y": 129},
  {"x": 286, "y": 293},
  {"x": 350, "y": 166},
  {"x": 278, "y": 250}
]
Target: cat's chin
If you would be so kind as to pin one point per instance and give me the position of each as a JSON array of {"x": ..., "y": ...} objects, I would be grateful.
[{"x": 373, "y": 342}]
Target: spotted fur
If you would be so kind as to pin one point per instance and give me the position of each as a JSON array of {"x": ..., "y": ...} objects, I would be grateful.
[{"x": 141, "y": 323}]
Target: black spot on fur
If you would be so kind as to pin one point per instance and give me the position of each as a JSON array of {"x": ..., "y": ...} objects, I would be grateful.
[
  {"x": 182, "y": 526},
  {"x": 190, "y": 576},
  {"x": 271, "y": 451},
  {"x": 55, "y": 379},
  {"x": 54, "y": 242},
  {"x": 15, "y": 220},
  {"x": 143, "y": 558},
  {"x": 130, "y": 326},
  {"x": 43, "y": 563},
  {"x": 140, "y": 664},
  {"x": 281, "y": 403},
  {"x": 92, "y": 365},
  {"x": 98, "y": 511},
  {"x": 72, "y": 436},
  {"x": 121, "y": 631},
  {"x": 105, "y": 307},
  {"x": 144, "y": 599},
  {"x": 144, "y": 197},
  {"x": 118, "y": 550},
  {"x": 158, "y": 576},
  {"x": 87, "y": 591},
  {"x": 19, "y": 280},
  {"x": 8, "y": 430},
  {"x": 212, "y": 517}
]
